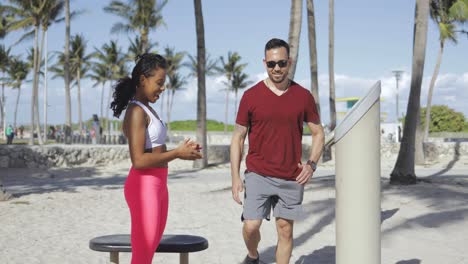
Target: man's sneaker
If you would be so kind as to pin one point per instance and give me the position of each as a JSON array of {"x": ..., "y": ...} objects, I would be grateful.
[{"x": 249, "y": 260}]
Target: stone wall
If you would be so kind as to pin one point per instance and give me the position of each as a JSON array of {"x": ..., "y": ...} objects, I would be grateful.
[{"x": 23, "y": 156}]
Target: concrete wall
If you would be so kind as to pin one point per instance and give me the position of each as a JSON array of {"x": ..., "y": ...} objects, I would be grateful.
[{"x": 23, "y": 156}]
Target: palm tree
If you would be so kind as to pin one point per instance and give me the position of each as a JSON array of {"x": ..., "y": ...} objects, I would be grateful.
[
  {"x": 294, "y": 34},
  {"x": 18, "y": 70},
  {"x": 5, "y": 58},
  {"x": 239, "y": 82},
  {"x": 445, "y": 13},
  {"x": 176, "y": 83},
  {"x": 51, "y": 12},
  {"x": 29, "y": 14},
  {"x": 403, "y": 172},
  {"x": 136, "y": 48},
  {"x": 331, "y": 62},
  {"x": 66, "y": 68},
  {"x": 100, "y": 75},
  {"x": 4, "y": 23},
  {"x": 228, "y": 67},
  {"x": 140, "y": 16},
  {"x": 211, "y": 66},
  {"x": 313, "y": 53},
  {"x": 201, "y": 98},
  {"x": 112, "y": 57},
  {"x": 80, "y": 64},
  {"x": 174, "y": 63}
]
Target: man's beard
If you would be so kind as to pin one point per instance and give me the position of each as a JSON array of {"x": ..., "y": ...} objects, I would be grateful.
[{"x": 283, "y": 77}]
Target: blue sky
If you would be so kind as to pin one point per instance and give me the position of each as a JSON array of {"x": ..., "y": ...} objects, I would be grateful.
[{"x": 372, "y": 38}]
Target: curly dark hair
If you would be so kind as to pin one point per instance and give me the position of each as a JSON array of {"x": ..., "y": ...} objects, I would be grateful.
[{"x": 125, "y": 88}]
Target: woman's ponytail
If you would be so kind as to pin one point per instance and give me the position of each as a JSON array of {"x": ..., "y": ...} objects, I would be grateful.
[{"x": 124, "y": 90}]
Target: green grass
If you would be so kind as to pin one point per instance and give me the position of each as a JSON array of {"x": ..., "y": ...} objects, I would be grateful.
[
  {"x": 191, "y": 125},
  {"x": 185, "y": 125}
]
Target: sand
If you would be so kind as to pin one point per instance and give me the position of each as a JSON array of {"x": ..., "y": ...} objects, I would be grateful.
[{"x": 56, "y": 212}]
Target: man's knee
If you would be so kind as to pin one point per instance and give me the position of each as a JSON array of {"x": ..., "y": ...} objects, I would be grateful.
[
  {"x": 285, "y": 229},
  {"x": 252, "y": 226}
]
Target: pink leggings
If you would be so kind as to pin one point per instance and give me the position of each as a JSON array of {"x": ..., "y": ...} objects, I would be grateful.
[{"x": 147, "y": 198}]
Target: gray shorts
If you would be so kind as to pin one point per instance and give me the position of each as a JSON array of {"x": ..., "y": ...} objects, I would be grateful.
[{"x": 263, "y": 193}]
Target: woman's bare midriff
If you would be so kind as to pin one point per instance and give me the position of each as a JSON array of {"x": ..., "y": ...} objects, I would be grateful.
[{"x": 158, "y": 149}]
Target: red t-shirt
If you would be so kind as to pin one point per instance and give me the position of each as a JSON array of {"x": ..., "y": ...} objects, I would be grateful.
[{"x": 275, "y": 126}]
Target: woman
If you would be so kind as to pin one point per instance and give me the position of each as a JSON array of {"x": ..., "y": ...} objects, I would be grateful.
[{"x": 146, "y": 185}]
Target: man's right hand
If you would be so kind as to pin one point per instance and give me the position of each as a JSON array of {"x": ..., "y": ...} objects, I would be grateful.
[{"x": 237, "y": 187}]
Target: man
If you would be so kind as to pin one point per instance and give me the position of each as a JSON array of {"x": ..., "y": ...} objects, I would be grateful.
[{"x": 273, "y": 113}]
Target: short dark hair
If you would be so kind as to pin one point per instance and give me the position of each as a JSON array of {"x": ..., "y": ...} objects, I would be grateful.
[{"x": 276, "y": 43}]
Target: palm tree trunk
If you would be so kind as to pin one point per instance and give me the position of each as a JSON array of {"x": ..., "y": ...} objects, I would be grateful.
[
  {"x": 331, "y": 62},
  {"x": 144, "y": 39},
  {"x": 235, "y": 103},
  {"x": 35, "y": 77},
  {"x": 403, "y": 172},
  {"x": 2, "y": 109},
  {"x": 294, "y": 34},
  {"x": 168, "y": 104},
  {"x": 226, "y": 110},
  {"x": 201, "y": 98},
  {"x": 418, "y": 142},
  {"x": 45, "y": 85},
  {"x": 107, "y": 112},
  {"x": 16, "y": 106},
  {"x": 431, "y": 91},
  {"x": 169, "y": 110},
  {"x": 36, "y": 88},
  {"x": 66, "y": 68},
  {"x": 78, "y": 79},
  {"x": 102, "y": 101},
  {"x": 313, "y": 53}
]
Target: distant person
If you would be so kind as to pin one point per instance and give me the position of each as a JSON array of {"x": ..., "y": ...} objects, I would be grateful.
[
  {"x": 399, "y": 133},
  {"x": 21, "y": 131},
  {"x": 68, "y": 134},
  {"x": 51, "y": 132},
  {"x": 95, "y": 130},
  {"x": 10, "y": 134},
  {"x": 146, "y": 185},
  {"x": 272, "y": 113}
]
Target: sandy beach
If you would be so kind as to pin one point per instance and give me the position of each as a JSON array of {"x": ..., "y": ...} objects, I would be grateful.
[{"x": 56, "y": 212}]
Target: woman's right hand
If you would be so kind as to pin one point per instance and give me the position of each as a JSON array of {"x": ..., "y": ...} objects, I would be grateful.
[{"x": 188, "y": 150}]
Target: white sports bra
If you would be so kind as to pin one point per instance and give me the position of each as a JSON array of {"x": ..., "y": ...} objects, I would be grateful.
[{"x": 156, "y": 131}]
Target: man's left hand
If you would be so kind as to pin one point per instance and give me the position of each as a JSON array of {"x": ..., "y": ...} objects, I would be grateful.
[{"x": 305, "y": 174}]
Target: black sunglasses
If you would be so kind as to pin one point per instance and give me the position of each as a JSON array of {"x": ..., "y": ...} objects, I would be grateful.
[{"x": 281, "y": 63}]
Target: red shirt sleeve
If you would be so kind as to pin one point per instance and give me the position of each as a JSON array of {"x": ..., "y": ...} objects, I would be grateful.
[
  {"x": 243, "y": 112},
  {"x": 310, "y": 113}
]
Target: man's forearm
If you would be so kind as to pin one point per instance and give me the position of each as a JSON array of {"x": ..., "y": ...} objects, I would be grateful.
[
  {"x": 317, "y": 147},
  {"x": 237, "y": 147}
]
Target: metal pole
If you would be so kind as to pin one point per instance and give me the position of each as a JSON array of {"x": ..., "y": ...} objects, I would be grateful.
[
  {"x": 358, "y": 183},
  {"x": 184, "y": 258},
  {"x": 114, "y": 257}
]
